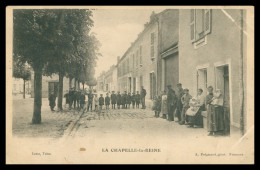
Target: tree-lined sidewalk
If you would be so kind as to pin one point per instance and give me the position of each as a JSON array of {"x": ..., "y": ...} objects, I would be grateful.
[{"x": 55, "y": 41}]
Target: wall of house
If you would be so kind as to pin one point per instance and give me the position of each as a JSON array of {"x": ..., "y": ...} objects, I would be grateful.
[
  {"x": 222, "y": 48},
  {"x": 45, "y": 83},
  {"x": 168, "y": 37},
  {"x": 148, "y": 66}
]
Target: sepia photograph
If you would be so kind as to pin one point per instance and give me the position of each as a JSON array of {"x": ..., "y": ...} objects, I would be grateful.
[{"x": 130, "y": 85}]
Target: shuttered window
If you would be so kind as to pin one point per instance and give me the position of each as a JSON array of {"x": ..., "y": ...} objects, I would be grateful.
[
  {"x": 152, "y": 45},
  {"x": 141, "y": 57},
  {"x": 192, "y": 24},
  {"x": 207, "y": 21}
]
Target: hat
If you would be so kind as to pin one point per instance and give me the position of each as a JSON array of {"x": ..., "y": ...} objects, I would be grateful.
[
  {"x": 186, "y": 90},
  {"x": 179, "y": 84}
]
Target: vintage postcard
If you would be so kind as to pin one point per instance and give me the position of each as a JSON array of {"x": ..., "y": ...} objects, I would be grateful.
[{"x": 130, "y": 85}]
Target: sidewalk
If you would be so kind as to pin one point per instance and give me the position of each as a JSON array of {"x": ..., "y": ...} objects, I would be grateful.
[{"x": 53, "y": 123}]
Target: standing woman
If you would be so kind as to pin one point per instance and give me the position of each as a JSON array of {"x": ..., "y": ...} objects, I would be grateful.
[{"x": 164, "y": 105}]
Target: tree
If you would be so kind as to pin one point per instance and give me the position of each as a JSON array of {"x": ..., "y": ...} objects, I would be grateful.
[{"x": 21, "y": 70}]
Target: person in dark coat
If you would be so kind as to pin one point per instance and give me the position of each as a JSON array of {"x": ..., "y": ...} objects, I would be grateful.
[
  {"x": 101, "y": 101},
  {"x": 171, "y": 103},
  {"x": 137, "y": 99},
  {"x": 129, "y": 100},
  {"x": 179, "y": 94},
  {"x": 133, "y": 100},
  {"x": 143, "y": 94},
  {"x": 82, "y": 100},
  {"x": 123, "y": 101},
  {"x": 66, "y": 95},
  {"x": 107, "y": 101},
  {"x": 71, "y": 97},
  {"x": 113, "y": 100},
  {"x": 118, "y": 100},
  {"x": 90, "y": 100},
  {"x": 52, "y": 99}
]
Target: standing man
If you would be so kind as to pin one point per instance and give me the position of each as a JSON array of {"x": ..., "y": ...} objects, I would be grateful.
[
  {"x": 90, "y": 100},
  {"x": 107, "y": 101},
  {"x": 171, "y": 103},
  {"x": 118, "y": 100},
  {"x": 113, "y": 100},
  {"x": 82, "y": 99},
  {"x": 133, "y": 100},
  {"x": 52, "y": 99},
  {"x": 179, "y": 94},
  {"x": 123, "y": 101},
  {"x": 129, "y": 99},
  {"x": 143, "y": 94},
  {"x": 137, "y": 99}
]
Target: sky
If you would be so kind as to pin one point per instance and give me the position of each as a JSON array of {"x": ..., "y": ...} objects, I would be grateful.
[{"x": 116, "y": 29}]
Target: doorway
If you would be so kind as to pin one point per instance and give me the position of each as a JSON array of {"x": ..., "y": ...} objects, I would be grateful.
[
  {"x": 222, "y": 83},
  {"x": 53, "y": 87}
]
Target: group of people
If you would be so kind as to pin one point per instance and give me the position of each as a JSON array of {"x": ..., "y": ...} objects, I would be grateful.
[
  {"x": 123, "y": 101},
  {"x": 189, "y": 109}
]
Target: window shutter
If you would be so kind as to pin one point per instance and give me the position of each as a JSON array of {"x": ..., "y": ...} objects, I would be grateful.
[
  {"x": 141, "y": 60},
  {"x": 207, "y": 21},
  {"x": 192, "y": 24}
]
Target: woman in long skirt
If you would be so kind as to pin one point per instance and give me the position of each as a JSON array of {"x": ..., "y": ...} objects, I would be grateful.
[
  {"x": 215, "y": 114},
  {"x": 164, "y": 105}
]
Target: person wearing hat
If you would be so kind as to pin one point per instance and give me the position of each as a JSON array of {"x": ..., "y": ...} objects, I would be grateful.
[
  {"x": 113, "y": 100},
  {"x": 137, "y": 99},
  {"x": 143, "y": 94},
  {"x": 179, "y": 94},
  {"x": 129, "y": 100},
  {"x": 52, "y": 99},
  {"x": 118, "y": 99},
  {"x": 101, "y": 101},
  {"x": 171, "y": 103},
  {"x": 107, "y": 101},
  {"x": 90, "y": 100},
  {"x": 133, "y": 100},
  {"x": 185, "y": 99},
  {"x": 123, "y": 101}
]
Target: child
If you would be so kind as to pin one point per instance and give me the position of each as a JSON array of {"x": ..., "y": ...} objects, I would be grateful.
[
  {"x": 101, "y": 101},
  {"x": 96, "y": 102},
  {"x": 107, "y": 101},
  {"x": 164, "y": 105},
  {"x": 137, "y": 99},
  {"x": 157, "y": 106}
]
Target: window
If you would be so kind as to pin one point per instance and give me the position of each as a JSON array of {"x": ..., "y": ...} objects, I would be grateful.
[
  {"x": 141, "y": 58},
  {"x": 192, "y": 24},
  {"x": 202, "y": 82},
  {"x": 152, "y": 45},
  {"x": 200, "y": 23},
  {"x": 136, "y": 56}
]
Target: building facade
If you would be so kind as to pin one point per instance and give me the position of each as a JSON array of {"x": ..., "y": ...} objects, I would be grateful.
[
  {"x": 211, "y": 42},
  {"x": 141, "y": 63},
  {"x": 107, "y": 81},
  {"x": 49, "y": 84}
]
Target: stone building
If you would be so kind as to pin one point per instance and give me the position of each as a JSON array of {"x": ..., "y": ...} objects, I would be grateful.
[
  {"x": 141, "y": 65},
  {"x": 107, "y": 80},
  {"x": 50, "y": 83},
  {"x": 211, "y": 43}
]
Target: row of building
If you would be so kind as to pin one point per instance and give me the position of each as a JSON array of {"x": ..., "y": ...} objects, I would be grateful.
[{"x": 195, "y": 47}]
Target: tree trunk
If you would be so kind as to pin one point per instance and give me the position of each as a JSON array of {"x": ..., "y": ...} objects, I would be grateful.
[
  {"x": 78, "y": 84},
  {"x": 83, "y": 85},
  {"x": 24, "y": 89},
  {"x": 75, "y": 83},
  {"x": 60, "y": 97},
  {"x": 37, "y": 96},
  {"x": 241, "y": 83}
]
